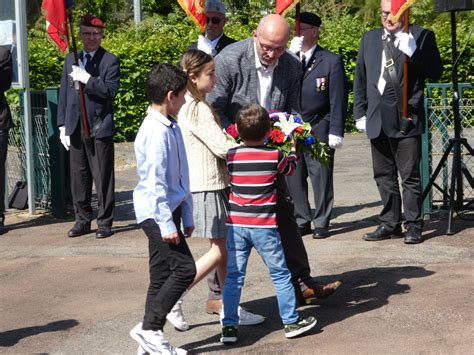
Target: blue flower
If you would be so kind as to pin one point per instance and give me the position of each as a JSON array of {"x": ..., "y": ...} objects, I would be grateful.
[
  {"x": 309, "y": 141},
  {"x": 297, "y": 119}
]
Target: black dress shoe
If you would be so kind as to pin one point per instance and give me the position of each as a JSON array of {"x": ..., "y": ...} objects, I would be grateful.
[
  {"x": 79, "y": 229},
  {"x": 320, "y": 233},
  {"x": 413, "y": 236},
  {"x": 103, "y": 232},
  {"x": 382, "y": 233},
  {"x": 305, "y": 230}
]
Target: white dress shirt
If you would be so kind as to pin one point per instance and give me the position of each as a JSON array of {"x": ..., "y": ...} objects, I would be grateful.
[
  {"x": 162, "y": 168},
  {"x": 265, "y": 80}
]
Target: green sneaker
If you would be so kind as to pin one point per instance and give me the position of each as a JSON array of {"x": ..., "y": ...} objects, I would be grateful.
[
  {"x": 299, "y": 327},
  {"x": 229, "y": 334}
]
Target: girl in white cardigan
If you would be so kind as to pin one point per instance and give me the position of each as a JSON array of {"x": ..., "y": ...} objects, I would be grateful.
[{"x": 206, "y": 148}]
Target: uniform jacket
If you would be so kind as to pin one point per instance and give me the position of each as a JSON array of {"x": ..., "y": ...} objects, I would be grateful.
[
  {"x": 224, "y": 41},
  {"x": 237, "y": 82},
  {"x": 381, "y": 110},
  {"x": 5, "y": 83},
  {"x": 99, "y": 93},
  {"x": 324, "y": 94}
]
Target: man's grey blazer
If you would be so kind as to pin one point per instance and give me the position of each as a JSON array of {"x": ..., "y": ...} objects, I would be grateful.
[{"x": 237, "y": 82}]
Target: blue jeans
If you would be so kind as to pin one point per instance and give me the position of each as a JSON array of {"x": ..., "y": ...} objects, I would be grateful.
[{"x": 266, "y": 241}]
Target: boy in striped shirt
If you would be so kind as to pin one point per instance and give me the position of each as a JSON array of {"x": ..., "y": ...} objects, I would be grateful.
[{"x": 253, "y": 169}]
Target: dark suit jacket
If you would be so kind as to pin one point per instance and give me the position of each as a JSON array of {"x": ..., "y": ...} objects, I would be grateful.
[
  {"x": 237, "y": 82},
  {"x": 6, "y": 121},
  {"x": 381, "y": 111},
  {"x": 99, "y": 93},
  {"x": 223, "y": 42},
  {"x": 324, "y": 94}
]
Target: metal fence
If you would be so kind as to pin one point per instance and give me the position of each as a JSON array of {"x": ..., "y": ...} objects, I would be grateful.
[
  {"x": 440, "y": 130},
  {"x": 16, "y": 158}
]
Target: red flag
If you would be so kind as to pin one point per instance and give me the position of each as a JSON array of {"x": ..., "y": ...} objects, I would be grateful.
[
  {"x": 196, "y": 10},
  {"x": 56, "y": 21},
  {"x": 283, "y": 6},
  {"x": 398, "y": 8}
]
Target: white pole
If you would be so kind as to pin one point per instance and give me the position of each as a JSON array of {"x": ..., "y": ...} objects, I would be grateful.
[
  {"x": 22, "y": 41},
  {"x": 137, "y": 11}
]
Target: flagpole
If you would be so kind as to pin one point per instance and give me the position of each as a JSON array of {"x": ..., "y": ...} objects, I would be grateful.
[
  {"x": 297, "y": 19},
  {"x": 81, "y": 86},
  {"x": 405, "y": 69}
]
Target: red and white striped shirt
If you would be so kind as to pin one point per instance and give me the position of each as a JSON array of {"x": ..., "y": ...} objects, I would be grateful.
[{"x": 252, "y": 172}]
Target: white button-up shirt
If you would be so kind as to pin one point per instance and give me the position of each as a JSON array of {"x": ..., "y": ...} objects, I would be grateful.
[
  {"x": 162, "y": 168},
  {"x": 265, "y": 80}
]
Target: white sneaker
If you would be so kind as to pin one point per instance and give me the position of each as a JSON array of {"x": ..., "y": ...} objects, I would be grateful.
[
  {"x": 141, "y": 351},
  {"x": 176, "y": 317},
  {"x": 246, "y": 317},
  {"x": 153, "y": 342}
]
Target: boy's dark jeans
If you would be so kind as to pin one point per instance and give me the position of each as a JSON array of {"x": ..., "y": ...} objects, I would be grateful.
[{"x": 172, "y": 270}]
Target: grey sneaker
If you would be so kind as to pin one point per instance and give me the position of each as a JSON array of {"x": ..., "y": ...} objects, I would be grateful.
[
  {"x": 229, "y": 334},
  {"x": 153, "y": 342},
  {"x": 299, "y": 327}
]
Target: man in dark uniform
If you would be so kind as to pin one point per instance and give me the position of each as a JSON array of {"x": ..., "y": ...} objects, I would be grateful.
[
  {"x": 215, "y": 39},
  {"x": 91, "y": 158},
  {"x": 395, "y": 142},
  {"x": 6, "y": 123},
  {"x": 323, "y": 104}
]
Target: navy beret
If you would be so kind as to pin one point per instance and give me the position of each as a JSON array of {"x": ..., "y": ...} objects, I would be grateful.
[{"x": 310, "y": 19}]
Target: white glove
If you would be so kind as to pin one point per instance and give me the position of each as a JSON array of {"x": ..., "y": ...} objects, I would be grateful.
[
  {"x": 65, "y": 140},
  {"x": 204, "y": 44},
  {"x": 407, "y": 43},
  {"x": 79, "y": 74},
  {"x": 296, "y": 44},
  {"x": 334, "y": 141},
  {"x": 360, "y": 123}
]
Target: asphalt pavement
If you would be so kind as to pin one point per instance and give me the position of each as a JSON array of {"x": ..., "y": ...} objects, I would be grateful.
[{"x": 83, "y": 295}]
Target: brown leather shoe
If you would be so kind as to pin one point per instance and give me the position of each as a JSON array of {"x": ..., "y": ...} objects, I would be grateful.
[
  {"x": 213, "y": 306},
  {"x": 311, "y": 291}
]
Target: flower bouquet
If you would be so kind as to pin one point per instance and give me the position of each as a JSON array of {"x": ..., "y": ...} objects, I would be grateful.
[{"x": 284, "y": 127}]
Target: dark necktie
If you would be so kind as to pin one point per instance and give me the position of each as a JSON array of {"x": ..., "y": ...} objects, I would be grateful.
[
  {"x": 391, "y": 46},
  {"x": 88, "y": 66},
  {"x": 303, "y": 62}
]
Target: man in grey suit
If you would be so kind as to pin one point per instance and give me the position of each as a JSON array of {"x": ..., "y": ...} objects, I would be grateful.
[{"x": 260, "y": 70}]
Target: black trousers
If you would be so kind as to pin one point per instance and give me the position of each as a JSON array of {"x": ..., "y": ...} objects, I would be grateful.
[
  {"x": 3, "y": 159},
  {"x": 92, "y": 160},
  {"x": 172, "y": 270},
  {"x": 296, "y": 256},
  {"x": 390, "y": 157},
  {"x": 321, "y": 177}
]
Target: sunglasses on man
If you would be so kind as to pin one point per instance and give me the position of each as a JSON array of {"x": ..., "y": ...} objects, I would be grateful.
[{"x": 214, "y": 20}]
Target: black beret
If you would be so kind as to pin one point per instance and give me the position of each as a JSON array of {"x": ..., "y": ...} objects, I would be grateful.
[
  {"x": 310, "y": 19},
  {"x": 91, "y": 21}
]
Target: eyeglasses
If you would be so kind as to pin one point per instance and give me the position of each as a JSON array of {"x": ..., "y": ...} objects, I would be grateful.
[
  {"x": 91, "y": 34},
  {"x": 307, "y": 28},
  {"x": 214, "y": 20},
  {"x": 265, "y": 48},
  {"x": 385, "y": 14}
]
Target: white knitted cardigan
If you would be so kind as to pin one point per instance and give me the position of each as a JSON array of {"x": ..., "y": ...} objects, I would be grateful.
[{"x": 206, "y": 146}]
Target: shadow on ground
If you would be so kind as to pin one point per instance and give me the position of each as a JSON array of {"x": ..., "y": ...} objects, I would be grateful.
[
  {"x": 11, "y": 337},
  {"x": 362, "y": 291}
]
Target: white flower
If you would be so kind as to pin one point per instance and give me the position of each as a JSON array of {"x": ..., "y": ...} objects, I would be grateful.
[{"x": 286, "y": 124}]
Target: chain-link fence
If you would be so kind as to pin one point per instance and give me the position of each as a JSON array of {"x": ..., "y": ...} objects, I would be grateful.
[
  {"x": 440, "y": 132},
  {"x": 16, "y": 169}
]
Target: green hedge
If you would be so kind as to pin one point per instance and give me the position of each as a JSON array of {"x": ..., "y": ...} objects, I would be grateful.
[{"x": 164, "y": 39}]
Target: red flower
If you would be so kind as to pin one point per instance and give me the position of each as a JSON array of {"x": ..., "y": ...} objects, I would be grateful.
[
  {"x": 232, "y": 131},
  {"x": 277, "y": 136},
  {"x": 299, "y": 130}
]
